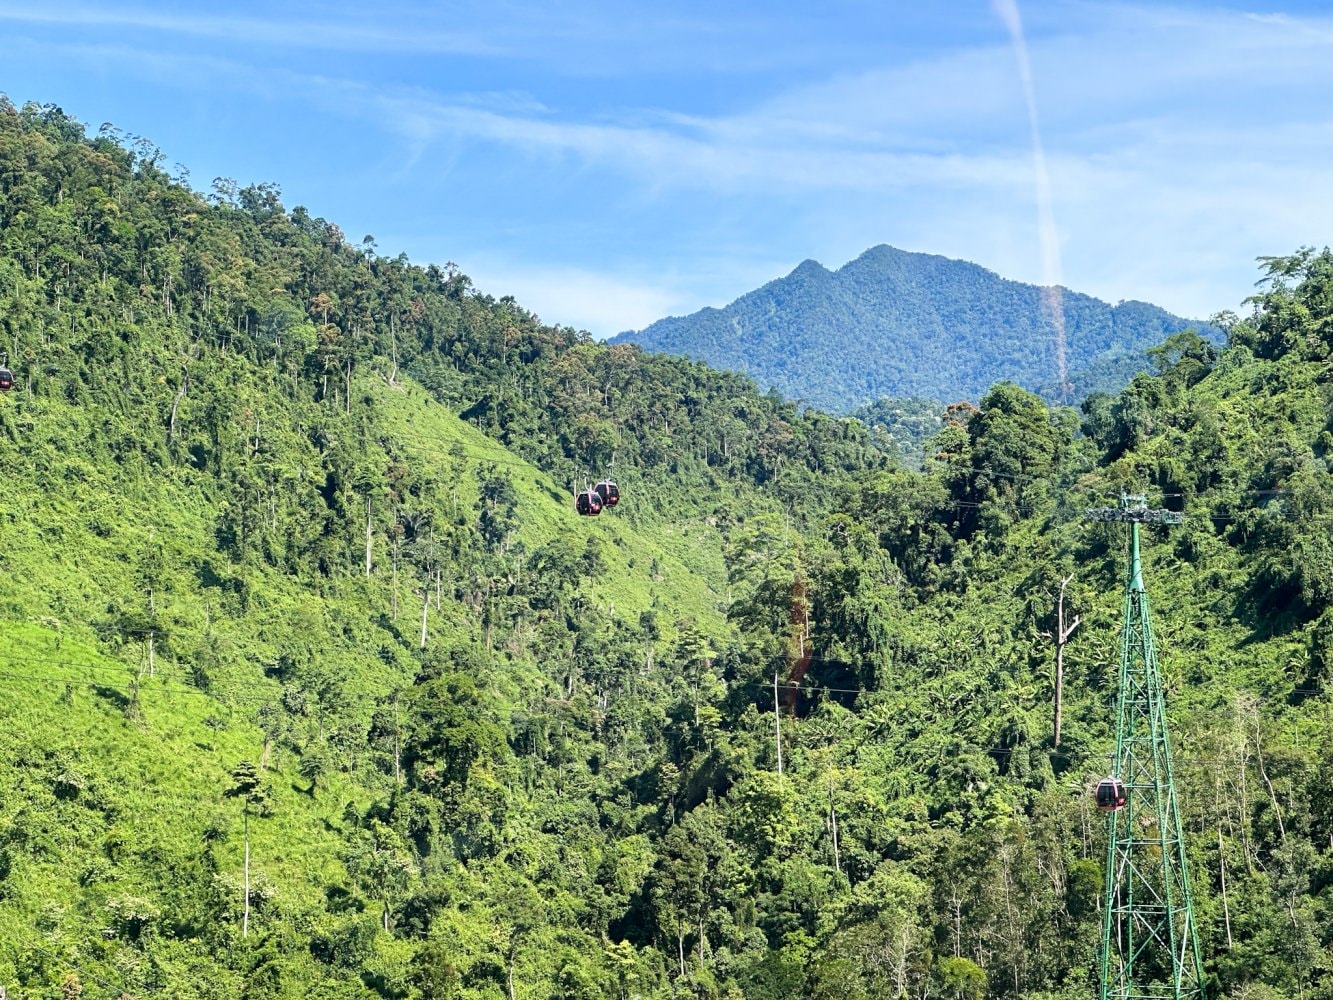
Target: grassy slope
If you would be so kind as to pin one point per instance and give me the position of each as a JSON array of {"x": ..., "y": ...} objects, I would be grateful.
[
  {"x": 151, "y": 773},
  {"x": 691, "y": 576}
]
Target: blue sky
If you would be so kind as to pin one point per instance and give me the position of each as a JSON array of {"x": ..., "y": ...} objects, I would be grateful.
[{"x": 612, "y": 163}]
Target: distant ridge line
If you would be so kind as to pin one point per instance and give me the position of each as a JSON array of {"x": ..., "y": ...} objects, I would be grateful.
[{"x": 899, "y": 323}]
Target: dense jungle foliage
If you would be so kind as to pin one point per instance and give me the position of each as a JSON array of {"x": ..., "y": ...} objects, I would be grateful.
[
  {"x": 900, "y": 324},
  {"x": 292, "y": 577},
  {"x": 903, "y": 427}
]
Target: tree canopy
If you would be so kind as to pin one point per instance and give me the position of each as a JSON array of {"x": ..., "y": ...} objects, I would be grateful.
[{"x": 290, "y": 522}]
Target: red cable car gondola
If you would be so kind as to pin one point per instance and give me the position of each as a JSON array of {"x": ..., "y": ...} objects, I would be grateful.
[
  {"x": 1110, "y": 794},
  {"x": 588, "y": 503},
  {"x": 608, "y": 491},
  {"x": 6, "y": 379}
]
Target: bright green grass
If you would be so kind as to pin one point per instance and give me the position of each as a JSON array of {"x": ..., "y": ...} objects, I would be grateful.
[
  {"x": 135, "y": 786},
  {"x": 690, "y": 575},
  {"x": 115, "y": 781}
]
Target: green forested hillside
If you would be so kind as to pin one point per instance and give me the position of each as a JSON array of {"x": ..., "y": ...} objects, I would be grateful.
[
  {"x": 246, "y": 460},
  {"x": 903, "y": 427},
  {"x": 900, "y": 324}
]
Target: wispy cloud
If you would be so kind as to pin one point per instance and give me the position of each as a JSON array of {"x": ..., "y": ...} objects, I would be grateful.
[
  {"x": 588, "y": 300},
  {"x": 1178, "y": 144},
  {"x": 357, "y": 34},
  {"x": 887, "y": 129},
  {"x": 666, "y": 151},
  {"x": 595, "y": 39}
]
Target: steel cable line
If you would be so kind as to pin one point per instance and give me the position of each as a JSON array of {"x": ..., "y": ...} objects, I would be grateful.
[
  {"x": 944, "y": 744},
  {"x": 511, "y": 461},
  {"x": 232, "y": 700},
  {"x": 69, "y": 963}
]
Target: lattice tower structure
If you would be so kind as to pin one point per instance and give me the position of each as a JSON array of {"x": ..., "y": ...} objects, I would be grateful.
[{"x": 1150, "y": 942}]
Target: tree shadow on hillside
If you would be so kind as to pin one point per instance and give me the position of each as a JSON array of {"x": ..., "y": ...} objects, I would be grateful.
[
  {"x": 117, "y": 698},
  {"x": 1270, "y": 612}
]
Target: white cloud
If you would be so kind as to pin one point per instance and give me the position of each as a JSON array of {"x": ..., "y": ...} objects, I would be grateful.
[
  {"x": 322, "y": 32},
  {"x": 601, "y": 303}
]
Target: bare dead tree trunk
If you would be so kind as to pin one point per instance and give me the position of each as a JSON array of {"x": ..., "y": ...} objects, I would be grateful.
[
  {"x": 175, "y": 404},
  {"x": 245, "y": 918},
  {"x": 956, "y": 909},
  {"x": 395, "y": 579},
  {"x": 777, "y": 719},
  {"x": 1221, "y": 855},
  {"x": 833, "y": 823},
  {"x": 369, "y": 536},
  {"x": 397, "y": 749},
  {"x": 425, "y": 607},
  {"x": 1226, "y": 908},
  {"x": 1263, "y": 773},
  {"x": 1062, "y": 635}
]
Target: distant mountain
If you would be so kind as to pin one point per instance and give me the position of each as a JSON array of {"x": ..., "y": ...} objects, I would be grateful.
[{"x": 894, "y": 323}]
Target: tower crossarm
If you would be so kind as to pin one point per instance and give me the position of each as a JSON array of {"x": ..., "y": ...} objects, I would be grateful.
[{"x": 1134, "y": 510}]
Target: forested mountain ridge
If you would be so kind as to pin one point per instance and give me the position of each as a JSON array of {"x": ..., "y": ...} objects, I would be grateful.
[
  {"x": 246, "y": 460},
  {"x": 899, "y": 324}
]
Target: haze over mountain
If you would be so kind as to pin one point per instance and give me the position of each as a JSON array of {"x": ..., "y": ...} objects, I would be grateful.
[{"x": 896, "y": 323}]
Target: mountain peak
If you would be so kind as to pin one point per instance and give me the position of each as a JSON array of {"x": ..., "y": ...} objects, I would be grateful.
[
  {"x": 896, "y": 322},
  {"x": 806, "y": 269}
]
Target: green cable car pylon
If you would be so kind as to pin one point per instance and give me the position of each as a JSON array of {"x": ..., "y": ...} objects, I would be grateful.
[{"x": 1150, "y": 945}]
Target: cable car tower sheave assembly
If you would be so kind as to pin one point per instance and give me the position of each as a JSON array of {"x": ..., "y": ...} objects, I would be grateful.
[{"x": 1150, "y": 944}]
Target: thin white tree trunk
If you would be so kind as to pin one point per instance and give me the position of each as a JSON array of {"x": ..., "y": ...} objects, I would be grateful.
[
  {"x": 175, "y": 404},
  {"x": 1062, "y": 635},
  {"x": 425, "y": 607},
  {"x": 833, "y": 821},
  {"x": 395, "y": 579},
  {"x": 245, "y": 919},
  {"x": 369, "y": 536},
  {"x": 1226, "y": 908}
]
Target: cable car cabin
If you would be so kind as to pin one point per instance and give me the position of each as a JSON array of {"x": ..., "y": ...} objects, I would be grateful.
[
  {"x": 608, "y": 491},
  {"x": 588, "y": 503},
  {"x": 6, "y": 380},
  {"x": 1110, "y": 795}
]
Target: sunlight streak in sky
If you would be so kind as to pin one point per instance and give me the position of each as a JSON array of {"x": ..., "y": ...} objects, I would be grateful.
[{"x": 1051, "y": 272}]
